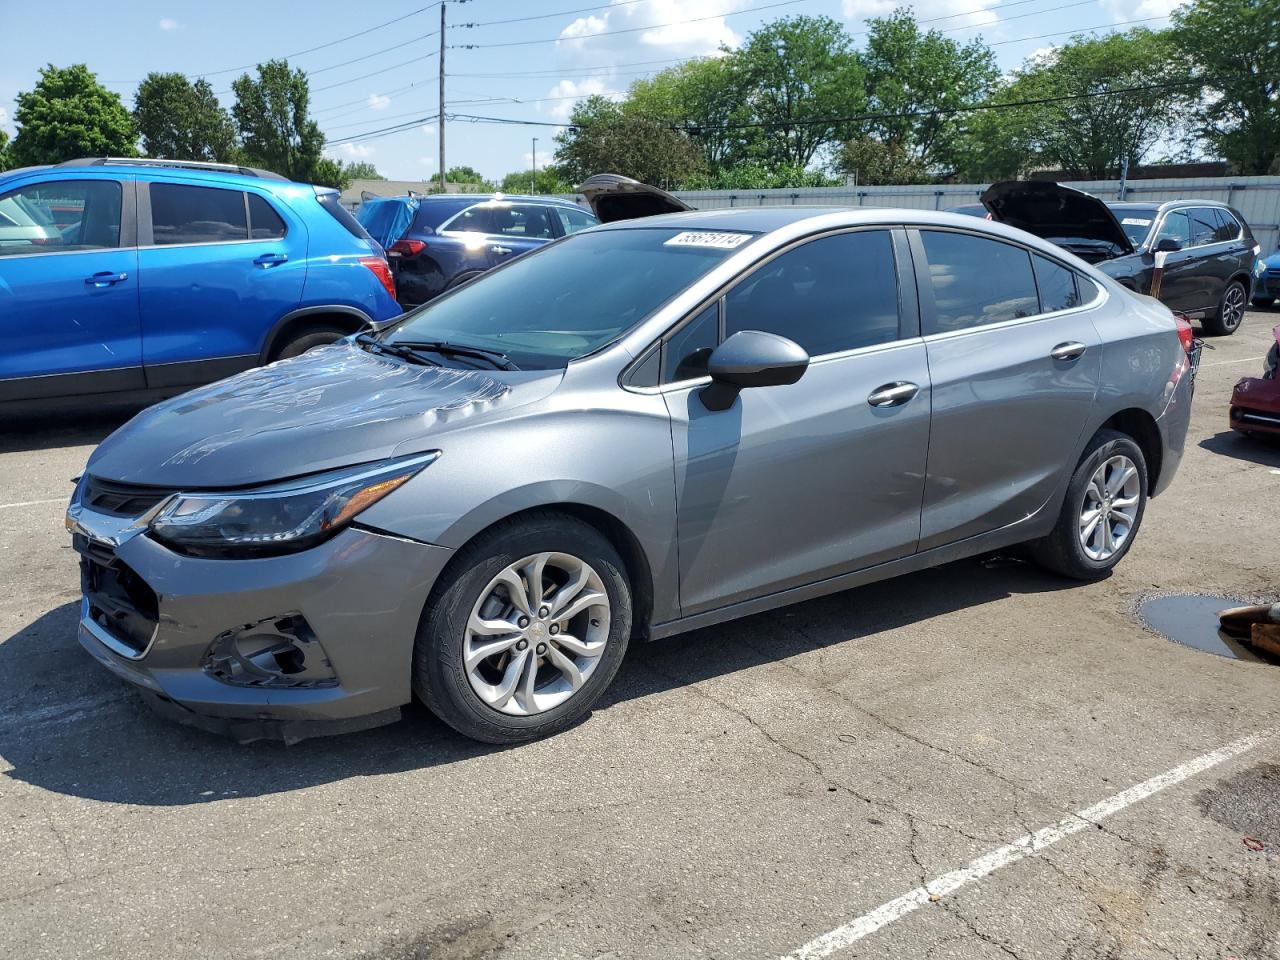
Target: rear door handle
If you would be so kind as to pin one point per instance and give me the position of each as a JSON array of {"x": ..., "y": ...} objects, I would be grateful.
[
  {"x": 1070, "y": 350},
  {"x": 270, "y": 259},
  {"x": 105, "y": 279},
  {"x": 893, "y": 394},
  {"x": 501, "y": 250}
]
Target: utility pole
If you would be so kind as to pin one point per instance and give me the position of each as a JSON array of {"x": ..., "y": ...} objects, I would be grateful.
[
  {"x": 440, "y": 116},
  {"x": 533, "y": 178}
]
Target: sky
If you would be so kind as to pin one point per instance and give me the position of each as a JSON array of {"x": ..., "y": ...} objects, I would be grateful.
[{"x": 531, "y": 68}]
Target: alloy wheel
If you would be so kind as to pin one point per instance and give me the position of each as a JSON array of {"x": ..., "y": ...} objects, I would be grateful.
[
  {"x": 536, "y": 634},
  {"x": 1110, "y": 508},
  {"x": 1233, "y": 306}
]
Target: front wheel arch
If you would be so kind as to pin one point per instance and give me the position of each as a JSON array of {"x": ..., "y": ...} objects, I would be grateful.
[{"x": 292, "y": 325}]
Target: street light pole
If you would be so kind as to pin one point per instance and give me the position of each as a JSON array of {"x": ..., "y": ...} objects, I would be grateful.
[{"x": 440, "y": 112}]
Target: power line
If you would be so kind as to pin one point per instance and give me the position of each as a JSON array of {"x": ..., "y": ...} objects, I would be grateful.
[
  {"x": 376, "y": 53},
  {"x": 362, "y": 101},
  {"x": 1063, "y": 33},
  {"x": 365, "y": 76},
  {"x": 383, "y": 132},
  {"x": 608, "y": 33},
  {"x": 550, "y": 16}
]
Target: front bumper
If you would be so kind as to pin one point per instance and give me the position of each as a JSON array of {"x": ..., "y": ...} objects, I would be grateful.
[
  {"x": 358, "y": 598},
  {"x": 1255, "y": 406}
]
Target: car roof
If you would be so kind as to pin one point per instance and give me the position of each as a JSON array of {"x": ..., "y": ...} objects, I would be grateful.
[
  {"x": 767, "y": 219},
  {"x": 484, "y": 197},
  {"x": 153, "y": 172},
  {"x": 1162, "y": 204}
]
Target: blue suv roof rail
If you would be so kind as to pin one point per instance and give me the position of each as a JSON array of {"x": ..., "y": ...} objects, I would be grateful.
[{"x": 179, "y": 164}]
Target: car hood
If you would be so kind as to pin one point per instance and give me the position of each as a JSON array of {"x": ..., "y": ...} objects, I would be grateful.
[
  {"x": 1055, "y": 213},
  {"x": 331, "y": 407},
  {"x": 615, "y": 197}
]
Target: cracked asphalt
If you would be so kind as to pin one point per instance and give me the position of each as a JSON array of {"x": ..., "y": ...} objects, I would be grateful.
[{"x": 741, "y": 790}]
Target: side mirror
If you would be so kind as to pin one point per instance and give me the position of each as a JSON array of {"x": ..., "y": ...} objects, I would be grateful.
[
  {"x": 1168, "y": 245},
  {"x": 751, "y": 358}
]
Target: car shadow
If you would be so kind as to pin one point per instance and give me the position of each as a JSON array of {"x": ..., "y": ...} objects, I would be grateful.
[
  {"x": 68, "y": 726},
  {"x": 63, "y": 426},
  {"x": 1229, "y": 443}
]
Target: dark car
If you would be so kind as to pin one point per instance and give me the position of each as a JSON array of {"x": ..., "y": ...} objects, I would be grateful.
[
  {"x": 438, "y": 242},
  {"x": 1210, "y": 250}
]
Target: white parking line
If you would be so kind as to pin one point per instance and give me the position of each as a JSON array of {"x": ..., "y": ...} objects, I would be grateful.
[
  {"x": 31, "y": 503},
  {"x": 1025, "y": 846},
  {"x": 1223, "y": 363}
]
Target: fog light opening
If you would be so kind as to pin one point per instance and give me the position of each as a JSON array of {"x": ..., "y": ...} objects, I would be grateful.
[{"x": 276, "y": 652}]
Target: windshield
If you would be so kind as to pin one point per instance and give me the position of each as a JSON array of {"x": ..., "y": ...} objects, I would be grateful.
[
  {"x": 1135, "y": 221},
  {"x": 572, "y": 297}
]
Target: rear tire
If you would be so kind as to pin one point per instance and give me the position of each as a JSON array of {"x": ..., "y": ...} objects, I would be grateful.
[
  {"x": 1230, "y": 313},
  {"x": 538, "y": 680},
  {"x": 306, "y": 340},
  {"x": 1102, "y": 511}
]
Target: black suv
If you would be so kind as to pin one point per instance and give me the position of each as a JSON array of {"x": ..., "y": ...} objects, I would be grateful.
[{"x": 1210, "y": 249}]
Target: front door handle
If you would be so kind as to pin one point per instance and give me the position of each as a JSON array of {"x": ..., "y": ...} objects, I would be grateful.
[
  {"x": 270, "y": 259},
  {"x": 105, "y": 279},
  {"x": 502, "y": 251},
  {"x": 893, "y": 394},
  {"x": 1071, "y": 350}
]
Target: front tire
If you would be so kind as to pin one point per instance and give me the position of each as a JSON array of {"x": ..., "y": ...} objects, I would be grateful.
[
  {"x": 1230, "y": 312},
  {"x": 307, "y": 340},
  {"x": 526, "y": 629},
  {"x": 1101, "y": 512}
]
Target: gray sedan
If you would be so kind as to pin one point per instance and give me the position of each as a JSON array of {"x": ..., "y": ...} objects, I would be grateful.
[{"x": 658, "y": 424}]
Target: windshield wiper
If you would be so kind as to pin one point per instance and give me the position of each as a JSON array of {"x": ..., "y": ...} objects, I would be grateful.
[
  {"x": 403, "y": 352},
  {"x": 495, "y": 357}
]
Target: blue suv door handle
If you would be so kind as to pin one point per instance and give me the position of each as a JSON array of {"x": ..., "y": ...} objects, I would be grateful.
[
  {"x": 270, "y": 259},
  {"x": 105, "y": 279}
]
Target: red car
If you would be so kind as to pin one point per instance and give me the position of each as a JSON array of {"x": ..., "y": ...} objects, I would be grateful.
[{"x": 1255, "y": 402}]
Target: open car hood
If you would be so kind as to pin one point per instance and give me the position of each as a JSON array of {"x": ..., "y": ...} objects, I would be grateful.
[
  {"x": 615, "y": 197},
  {"x": 1056, "y": 213}
]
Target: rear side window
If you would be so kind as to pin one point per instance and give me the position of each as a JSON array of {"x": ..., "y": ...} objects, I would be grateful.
[
  {"x": 1057, "y": 286},
  {"x": 477, "y": 219},
  {"x": 1228, "y": 227},
  {"x": 264, "y": 222},
  {"x": 977, "y": 281},
  {"x": 185, "y": 214},
  {"x": 61, "y": 215},
  {"x": 831, "y": 294},
  {"x": 1203, "y": 226},
  {"x": 574, "y": 220}
]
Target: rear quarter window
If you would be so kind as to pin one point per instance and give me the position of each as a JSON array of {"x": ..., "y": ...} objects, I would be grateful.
[{"x": 329, "y": 200}]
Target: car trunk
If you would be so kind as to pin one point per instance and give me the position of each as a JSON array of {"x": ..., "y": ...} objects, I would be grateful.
[{"x": 614, "y": 197}]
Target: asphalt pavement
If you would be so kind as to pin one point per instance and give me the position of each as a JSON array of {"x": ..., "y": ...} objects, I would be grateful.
[{"x": 977, "y": 761}]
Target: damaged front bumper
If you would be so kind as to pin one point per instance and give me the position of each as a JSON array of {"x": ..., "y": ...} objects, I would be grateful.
[
  {"x": 287, "y": 647},
  {"x": 1255, "y": 405}
]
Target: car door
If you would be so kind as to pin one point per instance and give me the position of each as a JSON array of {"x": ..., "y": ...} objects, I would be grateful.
[
  {"x": 69, "y": 288},
  {"x": 219, "y": 266},
  {"x": 516, "y": 228},
  {"x": 1014, "y": 361},
  {"x": 1181, "y": 287},
  {"x": 794, "y": 484}
]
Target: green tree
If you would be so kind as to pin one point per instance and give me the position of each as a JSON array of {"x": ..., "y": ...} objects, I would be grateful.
[
  {"x": 1090, "y": 135},
  {"x": 469, "y": 176},
  {"x": 705, "y": 97},
  {"x": 754, "y": 175},
  {"x": 877, "y": 162},
  {"x": 549, "y": 179},
  {"x": 181, "y": 120},
  {"x": 1233, "y": 46},
  {"x": 70, "y": 114},
  {"x": 799, "y": 75},
  {"x": 916, "y": 84},
  {"x": 4, "y": 151},
  {"x": 603, "y": 138},
  {"x": 362, "y": 170},
  {"x": 272, "y": 114}
]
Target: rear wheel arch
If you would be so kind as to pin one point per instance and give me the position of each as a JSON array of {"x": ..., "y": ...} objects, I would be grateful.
[
  {"x": 292, "y": 325},
  {"x": 1141, "y": 427}
]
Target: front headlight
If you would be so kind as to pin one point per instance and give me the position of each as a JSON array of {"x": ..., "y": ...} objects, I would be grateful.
[{"x": 281, "y": 518}]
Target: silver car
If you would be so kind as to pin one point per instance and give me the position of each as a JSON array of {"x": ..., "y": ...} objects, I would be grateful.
[{"x": 658, "y": 424}]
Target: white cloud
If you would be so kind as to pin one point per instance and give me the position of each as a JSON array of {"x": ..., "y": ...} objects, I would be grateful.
[
  {"x": 958, "y": 13},
  {"x": 577, "y": 89},
  {"x": 428, "y": 129},
  {"x": 378, "y": 102},
  {"x": 679, "y": 39},
  {"x": 168, "y": 23},
  {"x": 1139, "y": 9},
  {"x": 356, "y": 151}
]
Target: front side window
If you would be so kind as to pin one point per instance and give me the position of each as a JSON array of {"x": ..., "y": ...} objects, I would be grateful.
[
  {"x": 977, "y": 281},
  {"x": 184, "y": 214},
  {"x": 572, "y": 220},
  {"x": 567, "y": 299},
  {"x": 1057, "y": 285},
  {"x": 835, "y": 293},
  {"x": 60, "y": 215},
  {"x": 1176, "y": 227},
  {"x": 687, "y": 351}
]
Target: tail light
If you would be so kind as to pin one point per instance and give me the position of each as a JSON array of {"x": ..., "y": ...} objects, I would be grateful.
[
  {"x": 1186, "y": 335},
  {"x": 379, "y": 268},
  {"x": 407, "y": 248}
]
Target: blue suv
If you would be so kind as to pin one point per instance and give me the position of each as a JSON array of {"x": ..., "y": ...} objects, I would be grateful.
[
  {"x": 437, "y": 242},
  {"x": 122, "y": 276}
]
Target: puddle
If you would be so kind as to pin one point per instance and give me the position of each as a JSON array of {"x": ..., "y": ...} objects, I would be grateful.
[{"x": 1192, "y": 620}]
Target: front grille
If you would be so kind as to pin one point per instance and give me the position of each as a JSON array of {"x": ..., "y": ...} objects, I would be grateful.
[
  {"x": 121, "y": 499},
  {"x": 119, "y": 600}
]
